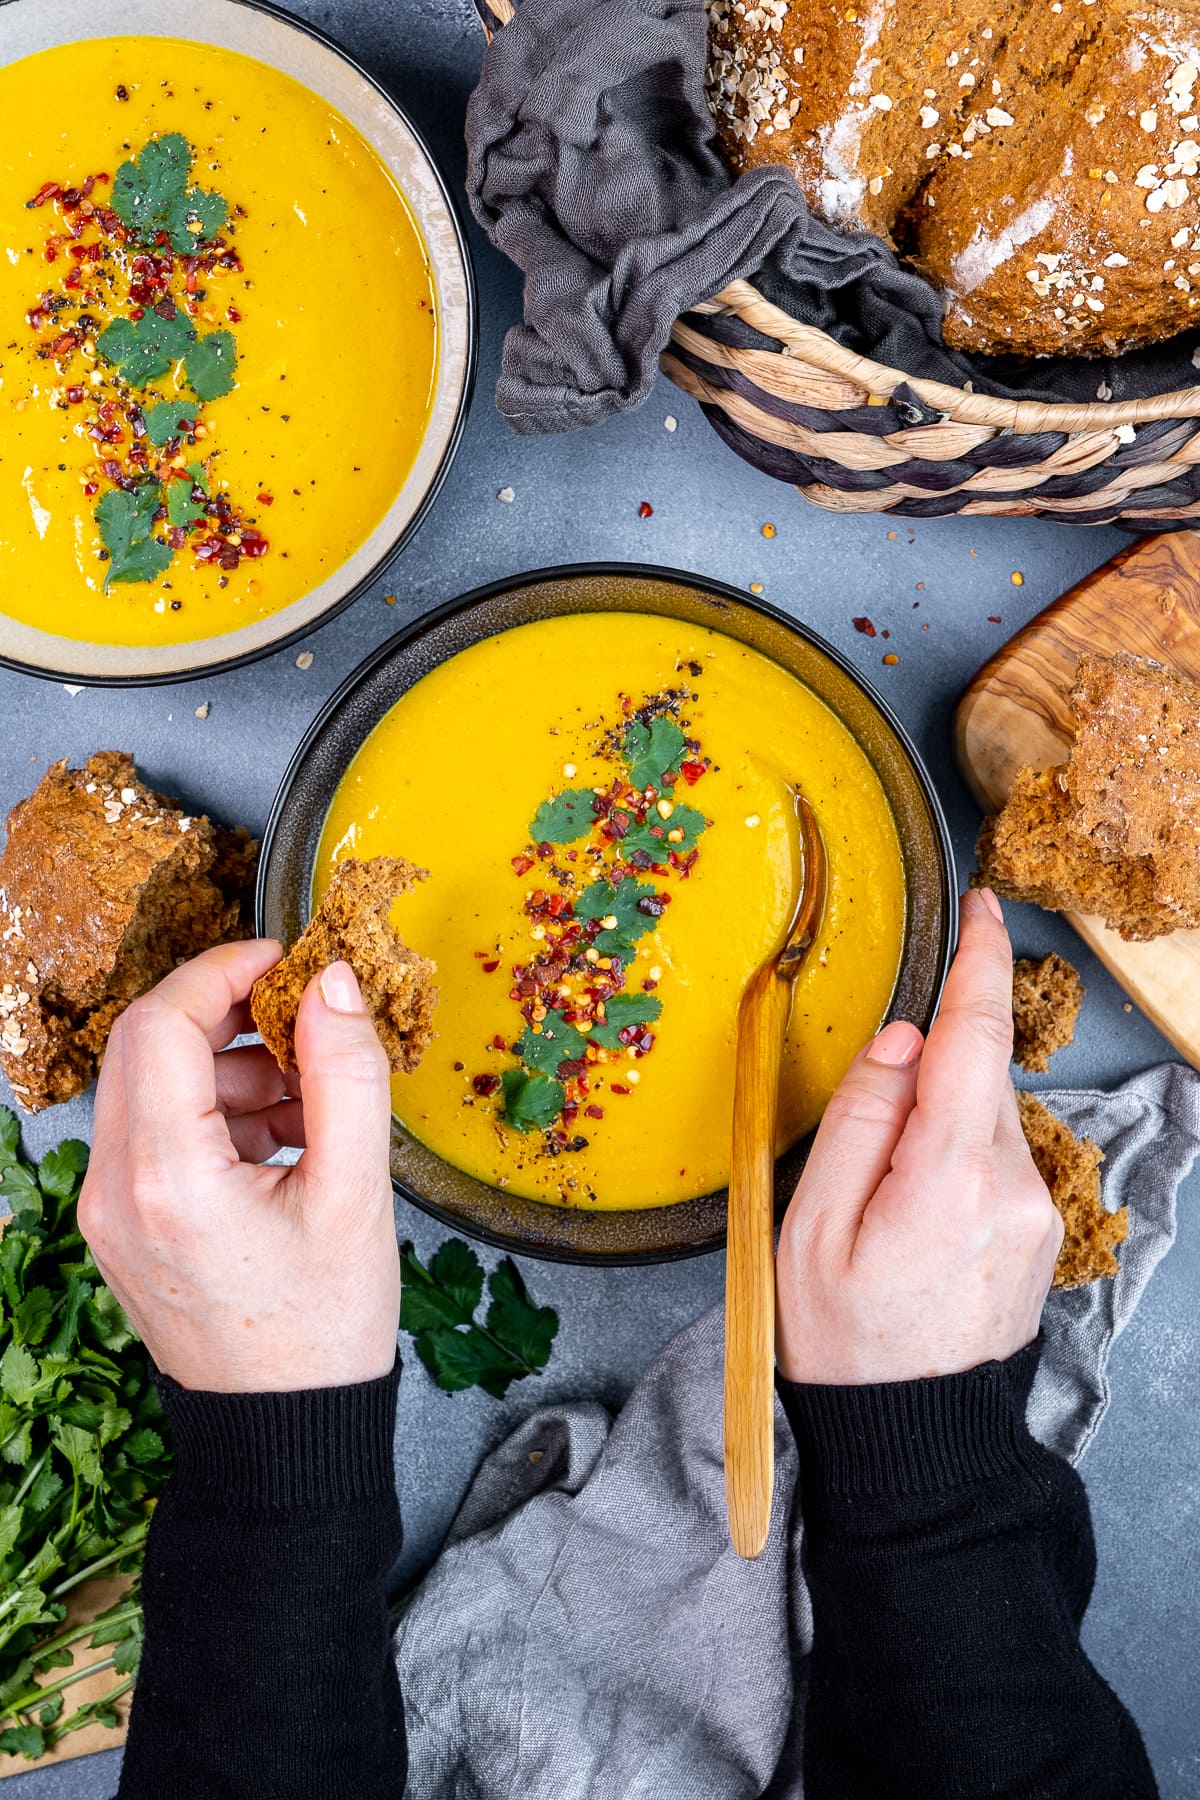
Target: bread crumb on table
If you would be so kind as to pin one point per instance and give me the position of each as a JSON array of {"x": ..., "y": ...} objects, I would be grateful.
[{"x": 1047, "y": 996}]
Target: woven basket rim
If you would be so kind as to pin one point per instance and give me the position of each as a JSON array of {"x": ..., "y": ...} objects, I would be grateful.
[{"x": 822, "y": 352}]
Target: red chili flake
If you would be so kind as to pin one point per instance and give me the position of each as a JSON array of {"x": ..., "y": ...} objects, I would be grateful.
[
  {"x": 233, "y": 315},
  {"x": 137, "y": 312},
  {"x": 49, "y": 190},
  {"x": 864, "y": 625},
  {"x": 90, "y": 488},
  {"x": 498, "y": 1043},
  {"x": 489, "y": 968},
  {"x": 692, "y": 771},
  {"x": 522, "y": 864},
  {"x": 74, "y": 395},
  {"x": 645, "y": 510},
  {"x": 265, "y": 499},
  {"x": 594, "y": 1112},
  {"x": 253, "y": 544},
  {"x": 51, "y": 251},
  {"x": 485, "y": 1084},
  {"x": 615, "y": 1088},
  {"x": 993, "y": 618}
]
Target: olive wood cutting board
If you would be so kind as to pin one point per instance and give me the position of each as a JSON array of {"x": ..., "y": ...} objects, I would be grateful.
[{"x": 1015, "y": 711}]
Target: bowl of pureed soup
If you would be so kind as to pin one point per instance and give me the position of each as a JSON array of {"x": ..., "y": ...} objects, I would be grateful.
[
  {"x": 596, "y": 766},
  {"x": 237, "y": 334}
]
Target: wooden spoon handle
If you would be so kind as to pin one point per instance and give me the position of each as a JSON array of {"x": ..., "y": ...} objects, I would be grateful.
[{"x": 750, "y": 1264}]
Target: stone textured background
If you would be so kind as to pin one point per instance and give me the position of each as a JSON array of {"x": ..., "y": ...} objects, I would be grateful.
[{"x": 577, "y": 498}]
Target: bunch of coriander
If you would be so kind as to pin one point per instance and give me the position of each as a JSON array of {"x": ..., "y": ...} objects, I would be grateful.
[{"x": 81, "y": 1456}]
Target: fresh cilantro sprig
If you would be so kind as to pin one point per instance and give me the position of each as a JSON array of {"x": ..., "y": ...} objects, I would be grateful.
[
  {"x": 167, "y": 420},
  {"x": 143, "y": 349},
  {"x": 622, "y": 1011},
  {"x": 653, "y": 751},
  {"x": 651, "y": 836},
  {"x": 568, "y": 816},
  {"x": 126, "y": 521},
  {"x": 439, "y": 1304},
  {"x": 530, "y": 1102},
  {"x": 186, "y": 499},
  {"x": 82, "y": 1455},
  {"x": 151, "y": 194},
  {"x": 622, "y": 902}
]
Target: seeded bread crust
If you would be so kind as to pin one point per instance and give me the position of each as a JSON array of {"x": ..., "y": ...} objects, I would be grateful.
[
  {"x": 353, "y": 924},
  {"x": 1115, "y": 831},
  {"x": 1070, "y": 1167},
  {"x": 1039, "y": 160},
  {"x": 104, "y": 886},
  {"x": 1047, "y": 996}
]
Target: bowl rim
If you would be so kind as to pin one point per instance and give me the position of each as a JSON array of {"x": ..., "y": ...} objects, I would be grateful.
[
  {"x": 226, "y": 664},
  {"x": 401, "y": 641}
]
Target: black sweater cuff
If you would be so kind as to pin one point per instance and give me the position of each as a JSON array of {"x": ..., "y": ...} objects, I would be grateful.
[
  {"x": 913, "y": 1437},
  {"x": 314, "y": 1447}
]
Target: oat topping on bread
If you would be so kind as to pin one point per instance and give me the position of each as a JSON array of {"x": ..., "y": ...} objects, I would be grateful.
[
  {"x": 1039, "y": 160},
  {"x": 353, "y": 924},
  {"x": 1115, "y": 830},
  {"x": 104, "y": 887}
]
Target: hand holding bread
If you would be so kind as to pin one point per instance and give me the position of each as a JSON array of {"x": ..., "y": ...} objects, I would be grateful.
[
  {"x": 243, "y": 1278},
  {"x": 921, "y": 1239}
]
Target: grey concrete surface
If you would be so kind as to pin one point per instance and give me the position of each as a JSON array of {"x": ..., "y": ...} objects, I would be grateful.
[{"x": 577, "y": 498}]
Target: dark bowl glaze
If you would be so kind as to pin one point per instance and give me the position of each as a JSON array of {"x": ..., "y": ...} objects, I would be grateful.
[{"x": 532, "y": 1227}]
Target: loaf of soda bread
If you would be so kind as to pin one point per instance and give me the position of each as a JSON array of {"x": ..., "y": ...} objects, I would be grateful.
[
  {"x": 1038, "y": 160},
  {"x": 104, "y": 887}
]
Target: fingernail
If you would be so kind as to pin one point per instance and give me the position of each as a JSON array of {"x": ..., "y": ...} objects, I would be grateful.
[
  {"x": 339, "y": 989},
  {"x": 990, "y": 901},
  {"x": 897, "y": 1046}
]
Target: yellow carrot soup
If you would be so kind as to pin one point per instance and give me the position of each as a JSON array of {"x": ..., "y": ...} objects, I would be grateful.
[
  {"x": 218, "y": 340},
  {"x": 604, "y": 803}
]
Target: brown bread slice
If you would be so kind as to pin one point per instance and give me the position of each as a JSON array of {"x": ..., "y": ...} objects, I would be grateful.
[
  {"x": 1047, "y": 996},
  {"x": 104, "y": 887},
  {"x": 1115, "y": 831},
  {"x": 1070, "y": 1167},
  {"x": 353, "y": 924}
]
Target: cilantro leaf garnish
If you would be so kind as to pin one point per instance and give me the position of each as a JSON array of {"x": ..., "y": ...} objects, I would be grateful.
[
  {"x": 557, "y": 1042},
  {"x": 531, "y": 1102},
  {"x": 651, "y": 834},
  {"x": 183, "y": 509},
  {"x": 603, "y": 900},
  {"x": 211, "y": 365},
  {"x": 568, "y": 816},
  {"x": 167, "y": 420},
  {"x": 151, "y": 194},
  {"x": 143, "y": 349},
  {"x": 653, "y": 751},
  {"x": 82, "y": 1456},
  {"x": 438, "y": 1308},
  {"x": 620, "y": 1012},
  {"x": 125, "y": 519}
]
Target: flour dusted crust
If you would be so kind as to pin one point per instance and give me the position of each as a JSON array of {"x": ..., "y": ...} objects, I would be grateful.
[
  {"x": 353, "y": 924},
  {"x": 104, "y": 887},
  {"x": 1070, "y": 1167},
  {"x": 1115, "y": 831},
  {"x": 1039, "y": 160}
]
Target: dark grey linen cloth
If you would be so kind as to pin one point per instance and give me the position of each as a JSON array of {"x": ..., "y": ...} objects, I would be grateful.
[
  {"x": 592, "y": 164},
  {"x": 588, "y": 1633}
]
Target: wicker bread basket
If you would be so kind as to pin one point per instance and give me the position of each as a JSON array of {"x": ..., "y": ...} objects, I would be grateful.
[{"x": 854, "y": 436}]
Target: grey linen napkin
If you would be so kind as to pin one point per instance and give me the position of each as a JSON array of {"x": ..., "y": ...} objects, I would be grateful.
[
  {"x": 593, "y": 165},
  {"x": 588, "y": 1634}
]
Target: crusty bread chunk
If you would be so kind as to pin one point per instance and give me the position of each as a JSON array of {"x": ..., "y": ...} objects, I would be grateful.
[
  {"x": 1047, "y": 996},
  {"x": 104, "y": 887},
  {"x": 353, "y": 924},
  {"x": 1070, "y": 1167},
  {"x": 1114, "y": 831}
]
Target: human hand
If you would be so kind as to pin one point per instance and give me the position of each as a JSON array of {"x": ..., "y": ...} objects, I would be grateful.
[
  {"x": 921, "y": 1239},
  {"x": 241, "y": 1278}
]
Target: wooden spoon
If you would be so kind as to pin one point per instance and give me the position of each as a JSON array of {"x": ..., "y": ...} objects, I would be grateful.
[{"x": 750, "y": 1257}]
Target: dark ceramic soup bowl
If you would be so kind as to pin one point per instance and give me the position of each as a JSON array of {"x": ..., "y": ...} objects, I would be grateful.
[{"x": 532, "y": 1227}]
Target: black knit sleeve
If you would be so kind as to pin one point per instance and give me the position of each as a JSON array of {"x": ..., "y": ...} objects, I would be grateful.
[
  {"x": 267, "y": 1671},
  {"x": 950, "y": 1560}
]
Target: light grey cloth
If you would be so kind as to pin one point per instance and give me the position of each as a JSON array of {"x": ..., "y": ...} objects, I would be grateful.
[{"x": 588, "y": 1633}]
